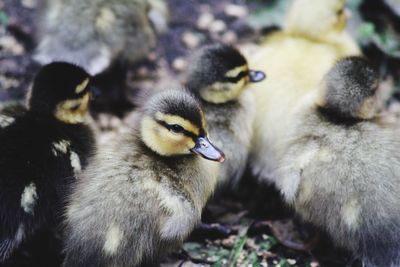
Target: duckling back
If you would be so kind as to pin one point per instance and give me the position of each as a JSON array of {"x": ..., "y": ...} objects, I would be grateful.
[
  {"x": 343, "y": 178},
  {"x": 38, "y": 164},
  {"x": 94, "y": 33}
]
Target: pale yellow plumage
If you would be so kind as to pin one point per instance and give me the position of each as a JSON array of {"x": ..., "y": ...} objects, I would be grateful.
[{"x": 295, "y": 60}]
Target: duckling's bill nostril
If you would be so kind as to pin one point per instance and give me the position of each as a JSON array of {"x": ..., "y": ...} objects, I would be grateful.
[
  {"x": 94, "y": 91},
  {"x": 256, "y": 76},
  {"x": 207, "y": 150}
]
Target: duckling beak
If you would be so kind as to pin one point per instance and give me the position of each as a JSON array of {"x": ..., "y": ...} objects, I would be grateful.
[
  {"x": 95, "y": 92},
  {"x": 207, "y": 150},
  {"x": 256, "y": 76}
]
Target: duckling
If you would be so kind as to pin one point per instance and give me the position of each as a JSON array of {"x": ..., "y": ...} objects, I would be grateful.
[
  {"x": 320, "y": 21},
  {"x": 218, "y": 76},
  {"x": 339, "y": 167},
  {"x": 140, "y": 197},
  {"x": 296, "y": 59},
  {"x": 43, "y": 147},
  {"x": 94, "y": 33}
]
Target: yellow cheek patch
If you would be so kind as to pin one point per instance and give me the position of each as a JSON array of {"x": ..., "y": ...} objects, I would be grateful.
[
  {"x": 235, "y": 72},
  {"x": 223, "y": 92},
  {"x": 174, "y": 119},
  {"x": 67, "y": 112},
  {"x": 82, "y": 86},
  {"x": 176, "y": 143},
  {"x": 162, "y": 141}
]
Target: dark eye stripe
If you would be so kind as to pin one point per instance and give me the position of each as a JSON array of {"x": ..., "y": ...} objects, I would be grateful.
[
  {"x": 340, "y": 12},
  {"x": 169, "y": 127},
  {"x": 75, "y": 107},
  {"x": 240, "y": 76}
]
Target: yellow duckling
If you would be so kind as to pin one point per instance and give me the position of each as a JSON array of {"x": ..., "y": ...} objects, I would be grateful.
[{"x": 295, "y": 58}]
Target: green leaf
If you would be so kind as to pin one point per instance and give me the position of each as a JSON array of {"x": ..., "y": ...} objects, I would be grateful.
[
  {"x": 253, "y": 260},
  {"x": 3, "y": 18},
  {"x": 268, "y": 243},
  {"x": 283, "y": 263},
  {"x": 366, "y": 30},
  {"x": 238, "y": 248},
  {"x": 217, "y": 264},
  {"x": 389, "y": 42}
]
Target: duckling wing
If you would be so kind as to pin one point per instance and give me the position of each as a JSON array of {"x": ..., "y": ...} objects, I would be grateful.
[
  {"x": 13, "y": 109},
  {"x": 9, "y": 113},
  {"x": 7, "y": 247},
  {"x": 37, "y": 166}
]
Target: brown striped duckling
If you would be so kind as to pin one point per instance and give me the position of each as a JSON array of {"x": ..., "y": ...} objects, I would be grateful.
[
  {"x": 340, "y": 170},
  {"x": 141, "y": 197},
  {"x": 219, "y": 75},
  {"x": 94, "y": 33},
  {"x": 44, "y": 147}
]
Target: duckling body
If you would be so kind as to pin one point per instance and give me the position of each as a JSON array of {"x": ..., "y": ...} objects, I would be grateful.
[
  {"x": 219, "y": 76},
  {"x": 339, "y": 168},
  {"x": 139, "y": 202},
  {"x": 232, "y": 133},
  {"x": 95, "y": 33},
  {"x": 343, "y": 178},
  {"x": 40, "y": 157},
  {"x": 296, "y": 59}
]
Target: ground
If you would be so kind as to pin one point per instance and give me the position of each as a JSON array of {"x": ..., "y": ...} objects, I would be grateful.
[{"x": 251, "y": 231}]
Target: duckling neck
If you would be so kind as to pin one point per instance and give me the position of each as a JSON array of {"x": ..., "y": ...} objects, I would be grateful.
[
  {"x": 219, "y": 95},
  {"x": 337, "y": 117}
]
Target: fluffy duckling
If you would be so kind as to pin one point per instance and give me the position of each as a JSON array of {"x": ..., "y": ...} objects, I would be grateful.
[
  {"x": 296, "y": 59},
  {"x": 340, "y": 170},
  {"x": 322, "y": 21},
  {"x": 43, "y": 147},
  {"x": 140, "y": 198},
  {"x": 94, "y": 33},
  {"x": 219, "y": 75}
]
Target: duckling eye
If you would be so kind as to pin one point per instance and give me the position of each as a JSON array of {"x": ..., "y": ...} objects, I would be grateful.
[
  {"x": 75, "y": 107},
  {"x": 176, "y": 128},
  {"x": 238, "y": 77},
  {"x": 340, "y": 12}
]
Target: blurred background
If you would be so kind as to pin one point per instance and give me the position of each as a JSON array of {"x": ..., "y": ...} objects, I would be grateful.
[{"x": 252, "y": 231}]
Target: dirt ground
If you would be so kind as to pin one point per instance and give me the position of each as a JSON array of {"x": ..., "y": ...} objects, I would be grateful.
[{"x": 250, "y": 227}]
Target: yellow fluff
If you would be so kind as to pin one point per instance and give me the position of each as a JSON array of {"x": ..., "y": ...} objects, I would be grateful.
[{"x": 295, "y": 59}]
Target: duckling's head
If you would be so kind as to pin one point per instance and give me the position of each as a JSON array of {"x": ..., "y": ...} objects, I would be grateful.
[
  {"x": 219, "y": 73},
  {"x": 350, "y": 89},
  {"x": 316, "y": 19},
  {"x": 61, "y": 89},
  {"x": 173, "y": 124}
]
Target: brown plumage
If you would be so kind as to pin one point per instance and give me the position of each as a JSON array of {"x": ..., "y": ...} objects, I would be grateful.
[{"x": 142, "y": 195}]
